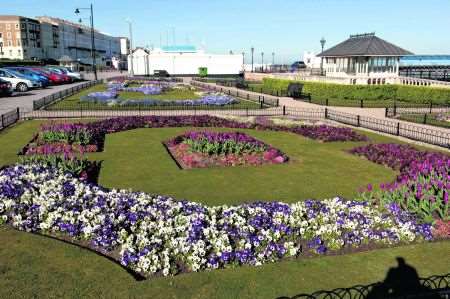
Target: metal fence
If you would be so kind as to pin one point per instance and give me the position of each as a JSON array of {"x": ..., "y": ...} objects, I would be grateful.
[
  {"x": 265, "y": 99},
  {"x": 394, "y": 111},
  {"x": 436, "y": 286},
  {"x": 52, "y": 98},
  {"x": 9, "y": 118}
]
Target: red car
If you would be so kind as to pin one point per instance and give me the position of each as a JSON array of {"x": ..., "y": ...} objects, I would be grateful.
[
  {"x": 54, "y": 78},
  {"x": 5, "y": 88}
]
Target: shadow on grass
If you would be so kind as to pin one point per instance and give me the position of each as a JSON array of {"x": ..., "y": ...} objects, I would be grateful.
[{"x": 401, "y": 282}]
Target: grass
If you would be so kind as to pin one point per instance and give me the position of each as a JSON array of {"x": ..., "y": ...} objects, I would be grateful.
[
  {"x": 430, "y": 119},
  {"x": 36, "y": 266},
  {"x": 73, "y": 102},
  {"x": 316, "y": 170}
]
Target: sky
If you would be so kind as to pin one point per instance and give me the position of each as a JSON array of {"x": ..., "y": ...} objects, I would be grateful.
[{"x": 285, "y": 27}]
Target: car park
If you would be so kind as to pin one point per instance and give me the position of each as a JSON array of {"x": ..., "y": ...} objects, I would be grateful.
[
  {"x": 32, "y": 74},
  {"x": 74, "y": 75},
  {"x": 18, "y": 81},
  {"x": 53, "y": 77},
  {"x": 5, "y": 88},
  {"x": 65, "y": 78}
]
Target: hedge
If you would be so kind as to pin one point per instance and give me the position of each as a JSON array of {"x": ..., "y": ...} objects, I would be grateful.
[{"x": 322, "y": 91}]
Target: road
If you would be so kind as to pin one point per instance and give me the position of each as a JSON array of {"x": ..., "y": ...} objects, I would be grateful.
[{"x": 25, "y": 100}]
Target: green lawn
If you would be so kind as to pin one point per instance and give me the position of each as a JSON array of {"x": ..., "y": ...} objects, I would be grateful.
[
  {"x": 36, "y": 266},
  {"x": 73, "y": 102},
  {"x": 315, "y": 170}
]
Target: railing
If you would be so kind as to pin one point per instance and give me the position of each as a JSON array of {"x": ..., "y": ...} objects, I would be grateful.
[
  {"x": 9, "y": 118},
  {"x": 264, "y": 99},
  {"x": 436, "y": 286},
  {"x": 52, "y": 98}
]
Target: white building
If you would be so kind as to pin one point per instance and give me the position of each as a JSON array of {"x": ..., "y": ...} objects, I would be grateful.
[
  {"x": 183, "y": 60},
  {"x": 311, "y": 60},
  {"x": 363, "y": 59}
]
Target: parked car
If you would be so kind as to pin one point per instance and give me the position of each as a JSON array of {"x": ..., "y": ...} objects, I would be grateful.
[
  {"x": 5, "y": 88},
  {"x": 31, "y": 74},
  {"x": 298, "y": 65},
  {"x": 66, "y": 78},
  {"x": 161, "y": 73},
  {"x": 18, "y": 81},
  {"x": 54, "y": 78},
  {"x": 74, "y": 75}
]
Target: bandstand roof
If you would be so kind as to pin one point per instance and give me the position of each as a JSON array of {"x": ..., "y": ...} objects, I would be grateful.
[{"x": 364, "y": 45}]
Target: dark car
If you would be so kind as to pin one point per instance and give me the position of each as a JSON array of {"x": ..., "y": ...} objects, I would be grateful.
[
  {"x": 161, "y": 73},
  {"x": 298, "y": 65},
  {"x": 5, "y": 88}
]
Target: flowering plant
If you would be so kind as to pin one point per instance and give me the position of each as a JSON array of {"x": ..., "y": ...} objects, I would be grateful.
[
  {"x": 205, "y": 149},
  {"x": 423, "y": 185},
  {"x": 159, "y": 235}
]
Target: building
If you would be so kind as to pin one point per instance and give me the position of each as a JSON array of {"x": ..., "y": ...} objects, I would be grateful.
[
  {"x": 363, "y": 59},
  {"x": 183, "y": 60},
  {"x": 311, "y": 60},
  {"x": 20, "y": 38},
  {"x": 54, "y": 39}
]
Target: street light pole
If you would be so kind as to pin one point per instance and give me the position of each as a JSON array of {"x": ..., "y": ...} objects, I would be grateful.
[
  {"x": 94, "y": 64},
  {"x": 322, "y": 43},
  {"x": 273, "y": 60},
  {"x": 243, "y": 61},
  {"x": 262, "y": 62},
  {"x": 253, "y": 51},
  {"x": 130, "y": 28}
]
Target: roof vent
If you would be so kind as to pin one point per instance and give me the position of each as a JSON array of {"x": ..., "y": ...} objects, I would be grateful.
[{"x": 362, "y": 35}]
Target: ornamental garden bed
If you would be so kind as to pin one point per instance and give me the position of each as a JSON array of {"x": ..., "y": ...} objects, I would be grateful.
[
  {"x": 132, "y": 95},
  {"x": 158, "y": 235},
  {"x": 203, "y": 149}
]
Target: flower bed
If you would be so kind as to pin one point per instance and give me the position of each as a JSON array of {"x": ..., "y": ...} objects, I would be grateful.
[
  {"x": 156, "y": 235},
  {"x": 89, "y": 137},
  {"x": 207, "y": 149},
  {"x": 423, "y": 185},
  {"x": 60, "y": 138}
]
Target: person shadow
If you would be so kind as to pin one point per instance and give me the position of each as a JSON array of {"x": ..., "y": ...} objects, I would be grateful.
[{"x": 401, "y": 282}]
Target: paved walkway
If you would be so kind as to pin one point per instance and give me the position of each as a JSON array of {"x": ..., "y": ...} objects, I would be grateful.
[
  {"x": 378, "y": 113},
  {"x": 25, "y": 100}
]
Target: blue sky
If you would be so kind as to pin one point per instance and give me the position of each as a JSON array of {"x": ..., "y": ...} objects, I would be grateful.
[{"x": 286, "y": 27}]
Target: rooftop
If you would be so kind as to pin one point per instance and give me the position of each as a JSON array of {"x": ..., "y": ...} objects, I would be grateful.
[{"x": 366, "y": 44}]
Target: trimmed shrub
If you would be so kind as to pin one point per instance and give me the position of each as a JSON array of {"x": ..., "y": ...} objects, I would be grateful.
[{"x": 322, "y": 91}]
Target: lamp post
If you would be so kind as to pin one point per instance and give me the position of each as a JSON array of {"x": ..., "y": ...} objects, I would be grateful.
[
  {"x": 130, "y": 28},
  {"x": 253, "y": 51},
  {"x": 273, "y": 60},
  {"x": 243, "y": 60},
  {"x": 1, "y": 48},
  {"x": 322, "y": 43},
  {"x": 94, "y": 65},
  {"x": 262, "y": 62}
]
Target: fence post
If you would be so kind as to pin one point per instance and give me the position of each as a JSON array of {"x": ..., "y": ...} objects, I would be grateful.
[
  {"x": 425, "y": 118},
  {"x": 431, "y": 106},
  {"x": 398, "y": 129},
  {"x": 278, "y": 102},
  {"x": 277, "y": 92},
  {"x": 261, "y": 104},
  {"x": 357, "y": 121},
  {"x": 284, "y": 110},
  {"x": 326, "y": 102},
  {"x": 326, "y": 113},
  {"x": 3, "y": 120},
  {"x": 386, "y": 112},
  {"x": 246, "y": 111},
  {"x": 395, "y": 108},
  {"x": 18, "y": 113},
  {"x": 362, "y": 104}
]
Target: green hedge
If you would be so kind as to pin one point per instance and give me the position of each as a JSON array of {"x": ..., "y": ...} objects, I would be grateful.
[{"x": 322, "y": 91}]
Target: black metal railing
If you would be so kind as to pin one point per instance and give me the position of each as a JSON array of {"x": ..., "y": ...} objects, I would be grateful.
[
  {"x": 54, "y": 97},
  {"x": 436, "y": 286},
  {"x": 9, "y": 118}
]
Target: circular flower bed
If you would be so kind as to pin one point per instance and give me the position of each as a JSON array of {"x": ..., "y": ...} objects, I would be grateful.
[
  {"x": 157, "y": 235},
  {"x": 206, "y": 149}
]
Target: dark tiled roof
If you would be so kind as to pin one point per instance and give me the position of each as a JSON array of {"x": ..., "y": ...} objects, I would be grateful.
[{"x": 364, "y": 45}]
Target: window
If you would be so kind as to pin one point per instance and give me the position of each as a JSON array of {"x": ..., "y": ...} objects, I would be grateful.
[
  {"x": 24, "y": 26},
  {"x": 9, "y": 43},
  {"x": 8, "y": 34},
  {"x": 18, "y": 42},
  {"x": 8, "y": 26},
  {"x": 1, "y": 35},
  {"x": 16, "y": 26},
  {"x": 18, "y": 34}
]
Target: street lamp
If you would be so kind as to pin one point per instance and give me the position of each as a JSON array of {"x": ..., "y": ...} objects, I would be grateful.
[
  {"x": 273, "y": 61},
  {"x": 253, "y": 51},
  {"x": 243, "y": 60},
  {"x": 322, "y": 43},
  {"x": 262, "y": 62},
  {"x": 94, "y": 65},
  {"x": 130, "y": 28}
]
